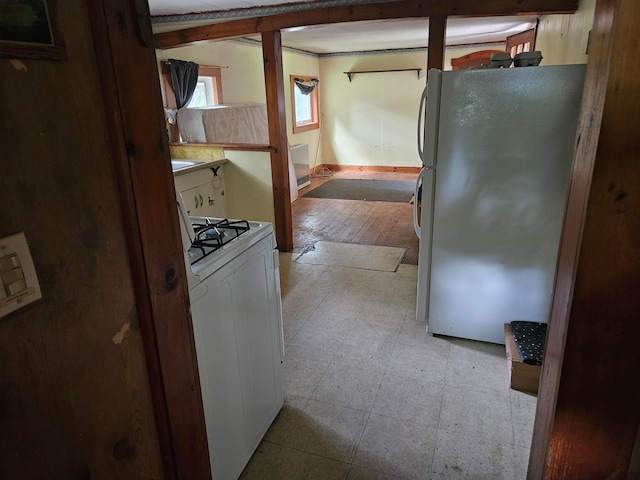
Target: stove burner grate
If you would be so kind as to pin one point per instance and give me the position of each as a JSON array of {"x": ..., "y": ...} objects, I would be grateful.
[{"x": 212, "y": 235}]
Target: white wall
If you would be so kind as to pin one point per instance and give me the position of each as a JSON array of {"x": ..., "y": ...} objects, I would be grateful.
[
  {"x": 372, "y": 119},
  {"x": 248, "y": 186},
  {"x": 562, "y": 39}
]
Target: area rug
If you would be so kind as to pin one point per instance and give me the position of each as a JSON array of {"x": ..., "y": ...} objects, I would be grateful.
[
  {"x": 366, "y": 257},
  {"x": 364, "y": 189}
]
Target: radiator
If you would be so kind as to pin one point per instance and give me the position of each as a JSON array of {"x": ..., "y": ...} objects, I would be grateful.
[{"x": 300, "y": 158}]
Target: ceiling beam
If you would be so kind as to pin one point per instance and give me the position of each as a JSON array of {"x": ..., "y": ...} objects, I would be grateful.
[
  {"x": 362, "y": 12},
  {"x": 437, "y": 42}
]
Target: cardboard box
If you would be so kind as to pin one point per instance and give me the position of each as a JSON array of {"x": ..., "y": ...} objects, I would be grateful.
[{"x": 522, "y": 376}]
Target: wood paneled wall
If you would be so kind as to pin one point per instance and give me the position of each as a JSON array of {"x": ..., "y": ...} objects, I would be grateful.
[
  {"x": 588, "y": 410},
  {"x": 74, "y": 391}
]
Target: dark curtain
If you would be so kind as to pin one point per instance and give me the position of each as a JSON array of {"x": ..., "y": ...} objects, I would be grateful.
[
  {"x": 184, "y": 76},
  {"x": 306, "y": 86}
]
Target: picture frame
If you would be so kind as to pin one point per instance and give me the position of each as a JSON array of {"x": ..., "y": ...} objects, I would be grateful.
[{"x": 29, "y": 29}]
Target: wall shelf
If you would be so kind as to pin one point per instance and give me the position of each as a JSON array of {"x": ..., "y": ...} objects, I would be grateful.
[{"x": 351, "y": 74}]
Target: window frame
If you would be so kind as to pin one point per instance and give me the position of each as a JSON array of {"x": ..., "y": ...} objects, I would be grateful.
[
  {"x": 212, "y": 71},
  {"x": 314, "y": 123}
]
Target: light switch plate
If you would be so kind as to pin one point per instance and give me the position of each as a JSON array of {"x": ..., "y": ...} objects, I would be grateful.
[{"x": 18, "y": 280}]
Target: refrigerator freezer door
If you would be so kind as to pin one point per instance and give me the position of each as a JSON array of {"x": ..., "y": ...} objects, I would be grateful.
[
  {"x": 429, "y": 159},
  {"x": 421, "y": 123},
  {"x": 432, "y": 113},
  {"x": 505, "y": 147}
]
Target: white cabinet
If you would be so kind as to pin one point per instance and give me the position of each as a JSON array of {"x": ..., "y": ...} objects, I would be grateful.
[
  {"x": 237, "y": 324},
  {"x": 203, "y": 191}
]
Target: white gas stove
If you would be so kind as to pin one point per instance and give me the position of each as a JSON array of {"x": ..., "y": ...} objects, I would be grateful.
[
  {"x": 209, "y": 243},
  {"x": 234, "y": 290}
]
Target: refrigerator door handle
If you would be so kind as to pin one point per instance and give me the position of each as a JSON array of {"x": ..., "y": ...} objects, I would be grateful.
[
  {"x": 416, "y": 225},
  {"x": 422, "y": 118}
]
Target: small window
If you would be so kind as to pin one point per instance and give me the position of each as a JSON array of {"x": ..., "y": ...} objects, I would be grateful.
[
  {"x": 204, "y": 94},
  {"x": 208, "y": 89},
  {"x": 304, "y": 106}
]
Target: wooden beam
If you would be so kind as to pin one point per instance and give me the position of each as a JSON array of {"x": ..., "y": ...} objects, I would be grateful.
[
  {"x": 274, "y": 84},
  {"x": 437, "y": 42},
  {"x": 355, "y": 13}
]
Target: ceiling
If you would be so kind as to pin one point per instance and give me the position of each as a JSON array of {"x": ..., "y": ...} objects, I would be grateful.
[{"x": 336, "y": 38}]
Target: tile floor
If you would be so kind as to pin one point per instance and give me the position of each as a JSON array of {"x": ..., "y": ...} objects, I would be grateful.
[{"x": 370, "y": 395}]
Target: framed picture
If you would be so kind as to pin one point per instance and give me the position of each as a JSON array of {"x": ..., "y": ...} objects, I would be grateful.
[{"x": 29, "y": 29}]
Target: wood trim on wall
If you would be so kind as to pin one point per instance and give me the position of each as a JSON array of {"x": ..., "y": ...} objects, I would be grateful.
[
  {"x": 214, "y": 72},
  {"x": 363, "y": 168},
  {"x": 128, "y": 69},
  {"x": 315, "y": 123},
  {"x": 251, "y": 147}
]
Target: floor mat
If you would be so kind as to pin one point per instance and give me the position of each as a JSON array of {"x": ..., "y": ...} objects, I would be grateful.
[
  {"x": 364, "y": 189},
  {"x": 366, "y": 257}
]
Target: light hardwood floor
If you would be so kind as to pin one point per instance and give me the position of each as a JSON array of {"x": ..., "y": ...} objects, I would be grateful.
[{"x": 352, "y": 221}]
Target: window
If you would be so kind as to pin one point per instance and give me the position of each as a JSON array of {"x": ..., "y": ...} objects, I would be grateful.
[
  {"x": 208, "y": 89},
  {"x": 304, "y": 107},
  {"x": 204, "y": 94}
]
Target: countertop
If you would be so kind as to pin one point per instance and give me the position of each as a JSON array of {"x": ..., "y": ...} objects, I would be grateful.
[{"x": 180, "y": 166}]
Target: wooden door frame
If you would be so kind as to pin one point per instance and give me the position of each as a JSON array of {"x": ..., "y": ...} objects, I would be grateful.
[
  {"x": 126, "y": 60},
  {"x": 437, "y": 12},
  {"x": 127, "y": 64},
  {"x": 587, "y": 419}
]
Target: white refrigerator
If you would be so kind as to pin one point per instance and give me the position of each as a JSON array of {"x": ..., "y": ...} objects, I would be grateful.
[{"x": 497, "y": 147}]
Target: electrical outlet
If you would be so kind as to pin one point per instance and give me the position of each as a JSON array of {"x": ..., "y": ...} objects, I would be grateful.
[{"x": 18, "y": 280}]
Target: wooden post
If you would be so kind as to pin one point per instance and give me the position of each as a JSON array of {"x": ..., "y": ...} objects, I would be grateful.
[
  {"x": 588, "y": 411},
  {"x": 274, "y": 84},
  {"x": 437, "y": 42},
  {"x": 128, "y": 72}
]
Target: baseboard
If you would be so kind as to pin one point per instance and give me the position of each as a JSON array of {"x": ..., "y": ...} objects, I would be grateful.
[{"x": 365, "y": 168}]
